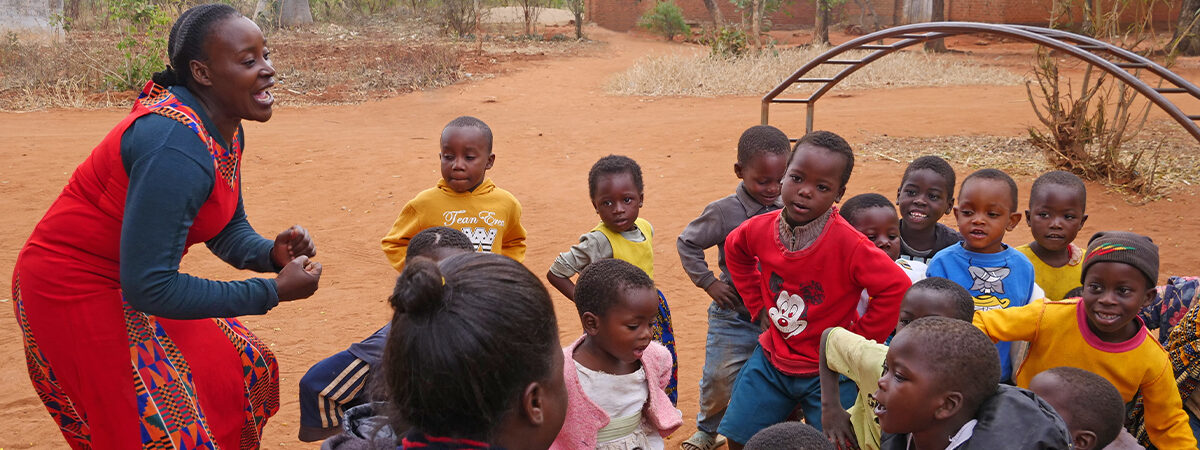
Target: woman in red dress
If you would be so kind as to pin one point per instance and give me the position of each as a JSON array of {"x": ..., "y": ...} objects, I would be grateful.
[{"x": 124, "y": 349}]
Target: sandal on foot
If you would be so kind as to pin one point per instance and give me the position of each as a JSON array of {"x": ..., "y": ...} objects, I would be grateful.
[{"x": 703, "y": 441}]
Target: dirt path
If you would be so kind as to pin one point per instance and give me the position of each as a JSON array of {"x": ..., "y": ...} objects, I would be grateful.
[{"x": 345, "y": 172}]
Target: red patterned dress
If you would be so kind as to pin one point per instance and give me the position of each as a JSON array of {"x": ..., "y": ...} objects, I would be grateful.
[{"x": 110, "y": 375}]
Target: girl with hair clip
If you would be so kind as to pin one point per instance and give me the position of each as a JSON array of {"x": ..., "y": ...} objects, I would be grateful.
[
  {"x": 473, "y": 361},
  {"x": 125, "y": 349}
]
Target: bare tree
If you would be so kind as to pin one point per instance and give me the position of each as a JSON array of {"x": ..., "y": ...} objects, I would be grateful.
[
  {"x": 576, "y": 7},
  {"x": 1187, "y": 33},
  {"x": 294, "y": 13},
  {"x": 530, "y": 10},
  {"x": 715, "y": 12},
  {"x": 821, "y": 33},
  {"x": 937, "y": 15}
]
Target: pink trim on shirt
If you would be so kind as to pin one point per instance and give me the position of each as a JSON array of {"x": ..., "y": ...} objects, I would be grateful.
[{"x": 1100, "y": 344}]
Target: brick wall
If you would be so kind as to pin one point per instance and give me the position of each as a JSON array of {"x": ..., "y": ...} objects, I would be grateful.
[{"x": 622, "y": 15}]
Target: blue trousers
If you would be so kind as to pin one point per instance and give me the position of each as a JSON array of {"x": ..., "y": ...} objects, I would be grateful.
[
  {"x": 764, "y": 396},
  {"x": 731, "y": 341}
]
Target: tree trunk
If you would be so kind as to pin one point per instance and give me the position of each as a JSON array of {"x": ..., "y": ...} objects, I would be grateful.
[
  {"x": 259, "y": 8},
  {"x": 1187, "y": 32},
  {"x": 756, "y": 22},
  {"x": 1089, "y": 9},
  {"x": 715, "y": 12},
  {"x": 937, "y": 15},
  {"x": 578, "y": 24},
  {"x": 295, "y": 13},
  {"x": 821, "y": 34}
]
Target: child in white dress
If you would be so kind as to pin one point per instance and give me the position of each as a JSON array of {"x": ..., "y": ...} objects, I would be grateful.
[{"x": 618, "y": 375}]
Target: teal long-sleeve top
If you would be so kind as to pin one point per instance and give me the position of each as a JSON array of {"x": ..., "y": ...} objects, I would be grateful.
[{"x": 171, "y": 175}]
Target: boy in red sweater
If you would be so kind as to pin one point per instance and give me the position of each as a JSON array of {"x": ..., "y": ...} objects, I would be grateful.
[{"x": 802, "y": 271}]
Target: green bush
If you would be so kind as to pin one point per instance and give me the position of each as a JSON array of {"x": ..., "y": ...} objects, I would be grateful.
[
  {"x": 728, "y": 42},
  {"x": 143, "y": 45},
  {"x": 666, "y": 19}
]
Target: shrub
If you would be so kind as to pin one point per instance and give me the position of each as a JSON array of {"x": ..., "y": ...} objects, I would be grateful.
[
  {"x": 728, "y": 42},
  {"x": 459, "y": 17},
  {"x": 666, "y": 19},
  {"x": 143, "y": 45}
]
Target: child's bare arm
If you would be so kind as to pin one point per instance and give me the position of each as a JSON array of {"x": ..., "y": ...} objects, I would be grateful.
[
  {"x": 834, "y": 419},
  {"x": 563, "y": 285}
]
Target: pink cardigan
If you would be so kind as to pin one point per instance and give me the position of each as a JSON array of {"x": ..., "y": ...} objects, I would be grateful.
[{"x": 585, "y": 419}]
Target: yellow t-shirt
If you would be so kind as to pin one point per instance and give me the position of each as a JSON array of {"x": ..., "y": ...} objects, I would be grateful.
[
  {"x": 489, "y": 216},
  {"x": 1056, "y": 281},
  {"x": 861, "y": 360},
  {"x": 1058, "y": 335}
]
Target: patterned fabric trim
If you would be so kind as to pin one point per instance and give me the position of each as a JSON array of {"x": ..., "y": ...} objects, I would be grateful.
[
  {"x": 260, "y": 379},
  {"x": 662, "y": 331},
  {"x": 166, "y": 397},
  {"x": 73, "y": 427},
  {"x": 160, "y": 101}
]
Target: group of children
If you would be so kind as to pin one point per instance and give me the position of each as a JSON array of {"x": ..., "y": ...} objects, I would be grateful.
[{"x": 882, "y": 329}]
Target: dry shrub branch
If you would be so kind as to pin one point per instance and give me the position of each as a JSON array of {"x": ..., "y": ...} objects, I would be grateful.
[{"x": 754, "y": 74}]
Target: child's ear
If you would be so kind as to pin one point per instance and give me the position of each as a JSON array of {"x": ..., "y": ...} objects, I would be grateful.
[
  {"x": 1027, "y": 215},
  {"x": 641, "y": 199},
  {"x": 950, "y": 205},
  {"x": 533, "y": 403},
  {"x": 1082, "y": 220},
  {"x": 952, "y": 403},
  {"x": 491, "y": 160},
  {"x": 591, "y": 323},
  {"x": 841, "y": 192},
  {"x": 1013, "y": 220},
  {"x": 1083, "y": 440},
  {"x": 737, "y": 170},
  {"x": 1151, "y": 295}
]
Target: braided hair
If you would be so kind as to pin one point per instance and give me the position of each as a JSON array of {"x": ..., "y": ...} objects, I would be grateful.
[{"x": 186, "y": 41}]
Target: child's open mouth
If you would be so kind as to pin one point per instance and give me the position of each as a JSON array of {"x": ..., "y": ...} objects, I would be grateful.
[
  {"x": 917, "y": 216},
  {"x": 264, "y": 97},
  {"x": 880, "y": 409},
  {"x": 1107, "y": 319}
]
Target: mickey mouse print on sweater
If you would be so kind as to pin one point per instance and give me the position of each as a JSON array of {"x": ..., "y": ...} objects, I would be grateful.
[{"x": 790, "y": 312}]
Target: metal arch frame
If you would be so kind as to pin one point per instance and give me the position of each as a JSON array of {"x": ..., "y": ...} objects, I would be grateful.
[{"x": 1078, "y": 46}]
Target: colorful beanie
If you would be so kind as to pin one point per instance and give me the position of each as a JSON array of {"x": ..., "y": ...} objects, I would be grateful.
[{"x": 1123, "y": 247}]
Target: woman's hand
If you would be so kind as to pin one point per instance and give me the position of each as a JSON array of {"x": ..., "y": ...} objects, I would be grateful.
[
  {"x": 292, "y": 242},
  {"x": 298, "y": 279}
]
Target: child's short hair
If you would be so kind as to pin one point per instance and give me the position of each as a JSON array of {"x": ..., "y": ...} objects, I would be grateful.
[
  {"x": 471, "y": 122},
  {"x": 937, "y": 165},
  {"x": 994, "y": 174},
  {"x": 759, "y": 140},
  {"x": 611, "y": 165},
  {"x": 601, "y": 283},
  {"x": 1095, "y": 405},
  {"x": 1061, "y": 178},
  {"x": 433, "y": 238},
  {"x": 861, "y": 202},
  {"x": 469, "y": 334},
  {"x": 789, "y": 436},
  {"x": 962, "y": 357},
  {"x": 964, "y": 305},
  {"x": 830, "y": 141}
]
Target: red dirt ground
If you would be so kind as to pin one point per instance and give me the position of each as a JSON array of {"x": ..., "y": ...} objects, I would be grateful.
[{"x": 345, "y": 171}]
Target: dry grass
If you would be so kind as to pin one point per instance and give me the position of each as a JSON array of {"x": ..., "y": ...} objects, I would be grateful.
[
  {"x": 704, "y": 76},
  {"x": 1016, "y": 155},
  {"x": 43, "y": 72}
]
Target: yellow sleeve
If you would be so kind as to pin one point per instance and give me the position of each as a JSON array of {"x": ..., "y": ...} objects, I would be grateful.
[
  {"x": 1011, "y": 324},
  {"x": 395, "y": 244},
  {"x": 1166, "y": 423},
  {"x": 514, "y": 235},
  {"x": 854, "y": 356}
]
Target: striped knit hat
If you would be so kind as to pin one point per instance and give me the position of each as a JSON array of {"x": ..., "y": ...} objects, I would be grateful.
[{"x": 1123, "y": 247}]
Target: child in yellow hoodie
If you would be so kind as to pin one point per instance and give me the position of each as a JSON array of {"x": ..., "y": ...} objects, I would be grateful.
[{"x": 463, "y": 199}]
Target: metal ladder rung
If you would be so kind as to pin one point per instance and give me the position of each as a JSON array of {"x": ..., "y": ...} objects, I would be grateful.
[
  {"x": 914, "y": 36},
  {"x": 844, "y": 61},
  {"x": 876, "y": 47},
  {"x": 789, "y": 100},
  {"x": 1171, "y": 90},
  {"x": 1131, "y": 65},
  {"x": 1091, "y": 47},
  {"x": 1196, "y": 117},
  {"x": 814, "y": 80}
]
